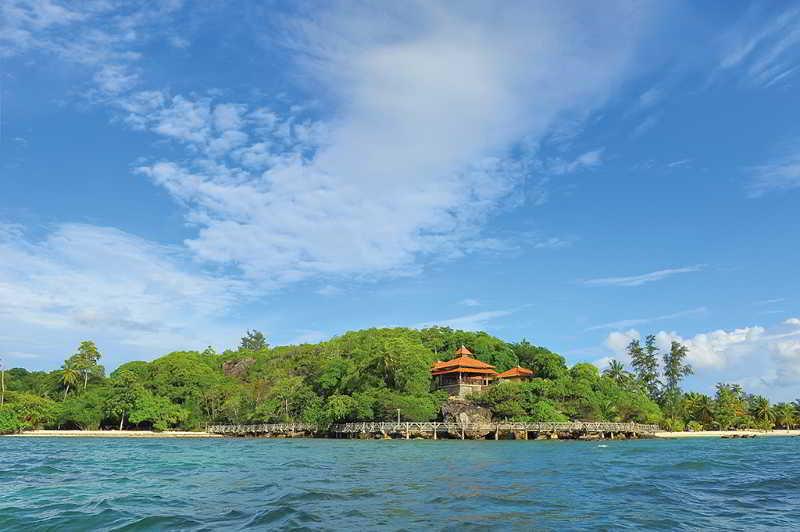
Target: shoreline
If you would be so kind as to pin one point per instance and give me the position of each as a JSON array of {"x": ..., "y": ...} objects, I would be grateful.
[
  {"x": 189, "y": 434},
  {"x": 112, "y": 434},
  {"x": 729, "y": 433}
]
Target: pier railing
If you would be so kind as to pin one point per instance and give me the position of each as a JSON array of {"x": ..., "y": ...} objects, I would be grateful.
[{"x": 434, "y": 427}]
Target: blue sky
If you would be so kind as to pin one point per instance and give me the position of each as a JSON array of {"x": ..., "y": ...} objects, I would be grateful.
[{"x": 577, "y": 174}]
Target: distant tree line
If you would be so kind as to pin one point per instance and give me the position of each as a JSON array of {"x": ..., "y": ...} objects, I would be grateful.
[
  {"x": 729, "y": 408},
  {"x": 368, "y": 374}
]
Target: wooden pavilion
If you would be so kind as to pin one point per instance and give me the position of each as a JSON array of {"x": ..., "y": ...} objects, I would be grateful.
[
  {"x": 463, "y": 374},
  {"x": 517, "y": 374}
]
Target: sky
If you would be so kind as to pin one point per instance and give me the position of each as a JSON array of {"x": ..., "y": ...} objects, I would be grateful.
[{"x": 578, "y": 174}]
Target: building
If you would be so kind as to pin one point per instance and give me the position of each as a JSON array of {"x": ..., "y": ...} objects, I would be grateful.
[
  {"x": 463, "y": 374},
  {"x": 517, "y": 374}
]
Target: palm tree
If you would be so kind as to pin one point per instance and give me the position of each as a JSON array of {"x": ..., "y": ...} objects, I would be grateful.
[
  {"x": 761, "y": 410},
  {"x": 699, "y": 407},
  {"x": 70, "y": 377},
  {"x": 616, "y": 371},
  {"x": 784, "y": 414}
]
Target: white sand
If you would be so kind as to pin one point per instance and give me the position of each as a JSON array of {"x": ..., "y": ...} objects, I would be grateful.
[
  {"x": 720, "y": 433},
  {"x": 114, "y": 434}
]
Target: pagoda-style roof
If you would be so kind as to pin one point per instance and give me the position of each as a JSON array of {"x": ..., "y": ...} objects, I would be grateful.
[
  {"x": 465, "y": 363},
  {"x": 516, "y": 372}
]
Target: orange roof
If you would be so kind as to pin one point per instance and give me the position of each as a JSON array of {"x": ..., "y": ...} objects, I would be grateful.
[
  {"x": 468, "y": 362},
  {"x": 463, "y": 350},
  {"x": 516, "y": 372},
  {"x": 464, "y": 363},
  {"x": 479, "y": 371}
]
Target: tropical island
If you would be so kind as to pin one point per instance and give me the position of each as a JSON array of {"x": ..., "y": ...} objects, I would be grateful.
[{"x": 375, "y": 375}]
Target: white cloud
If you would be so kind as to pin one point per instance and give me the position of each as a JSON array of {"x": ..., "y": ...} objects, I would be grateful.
[
  {"x": 82, "y": 280},
  {"x": 770, "y": 301},
  {"x": 763, "y": 52},
  {"x": 469, "y": 302},
  {"x": 618, "y": 342},
  {"x": 793, "y": 321},
  {"x": 638, "y": 280},
  {"x": 646, "y": 125},
  {"x": 103, "y": 36},
  {"x": 681, "y": 163},
  {"x": 114, "y": 79},
  {"x": 650, "y": 97},
  {"x": 470, "y": 322},
  {"x": 715, "y": 349},
  {"x": 781, "y": 173},
  {"x": 621, "y": 324},
  {"x": 766, "y": 359},
  {"x": 329, "y": 290},
  {"x": 587, "y": 160},
  {"x": 427, "y": 104}
]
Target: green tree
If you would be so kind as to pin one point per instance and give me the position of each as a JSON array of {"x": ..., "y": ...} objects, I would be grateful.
[
  {"x": 2, "y": 382},
  {"x": 9, "y": 421},
  {"x": 784, "y": 415},
  {"x": 730, "y": 407},
  {"x": 85, "y": 361},
  {"x": 85, "y": 411},
  {"x": 70, "y": 377},
  {"x": 761, "y": 411},
  {"x": 123, "y": 394},
  {"x": 699, "y": 408},
  {"x": 505, "y": 400},
  {"x": 616, "y": 371},
  {"x": 253, "y": 341},
  {"x": 675, "y": 369},
  {"x": 159, "y": 412},
  {"x": 645, "y": 365},
  {"x": 544, "y": 363}
]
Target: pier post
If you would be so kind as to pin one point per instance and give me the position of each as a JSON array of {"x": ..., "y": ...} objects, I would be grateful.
[
  {"x": 408, "y": 434},
  {"x": 435, "y": 426},
  {"x": 497, "y": 432}
]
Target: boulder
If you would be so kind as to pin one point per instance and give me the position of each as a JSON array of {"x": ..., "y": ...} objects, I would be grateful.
[
  {"x": 237, "y": 368},
  {"x": 461, "y": 411},
  {"x": 466, "y": 414}
]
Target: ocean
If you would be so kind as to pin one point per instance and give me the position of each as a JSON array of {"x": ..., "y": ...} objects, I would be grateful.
[{"x": 82, "y": 484}]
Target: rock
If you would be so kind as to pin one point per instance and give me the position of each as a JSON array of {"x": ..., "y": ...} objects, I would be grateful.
[
  {"x": 237, "y": 368},
  {"x": 461, "y": 411},
  {"x": 466, "y": 414}
]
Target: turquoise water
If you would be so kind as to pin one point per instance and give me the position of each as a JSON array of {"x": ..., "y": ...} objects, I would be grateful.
[{"x": 89, "y": 484}]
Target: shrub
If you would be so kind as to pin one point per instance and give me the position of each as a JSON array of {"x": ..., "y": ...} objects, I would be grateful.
[{"x": 10, "y": 423}]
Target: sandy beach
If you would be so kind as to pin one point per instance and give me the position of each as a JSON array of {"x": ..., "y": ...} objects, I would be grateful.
[
  {"x": 721, "y": 433},
  {"x": 113, "y": 434}
]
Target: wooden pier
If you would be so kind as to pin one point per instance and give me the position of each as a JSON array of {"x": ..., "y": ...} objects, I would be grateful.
[{"x": 441, "y": 430}]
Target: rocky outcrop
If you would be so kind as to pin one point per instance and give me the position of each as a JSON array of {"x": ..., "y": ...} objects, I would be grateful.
[
  {"x": 456, "y": 410},
  {"x": 237, "y": 368},
  {"x": 466, "y": 414}
]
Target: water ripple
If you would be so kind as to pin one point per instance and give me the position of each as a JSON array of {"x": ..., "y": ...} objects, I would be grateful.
[{"x": 77, "y": 484}]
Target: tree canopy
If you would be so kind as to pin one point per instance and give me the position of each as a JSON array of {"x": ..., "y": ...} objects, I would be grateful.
[{"x": 368, "y": 374}]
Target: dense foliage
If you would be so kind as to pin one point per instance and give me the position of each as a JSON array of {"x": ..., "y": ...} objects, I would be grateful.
[
  {"x": 370, "y": 374},
  {"x": 730, "y": 407}
]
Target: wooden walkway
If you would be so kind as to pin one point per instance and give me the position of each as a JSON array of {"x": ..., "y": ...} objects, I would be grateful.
[{"x": 434, "y": 429}]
